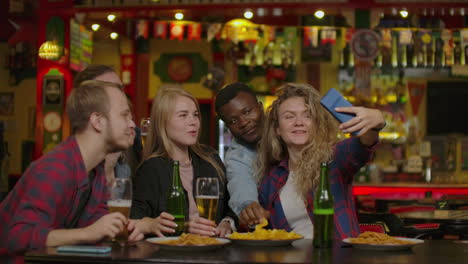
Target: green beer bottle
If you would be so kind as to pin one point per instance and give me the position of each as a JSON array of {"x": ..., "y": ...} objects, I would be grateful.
[
  {"x": 176, "y": 201},
  {"x": 323, "y": 211}
]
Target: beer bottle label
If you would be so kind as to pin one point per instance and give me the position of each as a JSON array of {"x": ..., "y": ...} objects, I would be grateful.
[{"x": 328, "y": 211}]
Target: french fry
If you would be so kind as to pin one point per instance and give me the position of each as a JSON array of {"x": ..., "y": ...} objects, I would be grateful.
[
  {"x": 191, "y": 240},
  {"x": 377, "y": 239}
]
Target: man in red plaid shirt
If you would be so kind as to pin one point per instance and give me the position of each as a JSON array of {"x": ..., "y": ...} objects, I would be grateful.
[{"x": 40, "y": 210}]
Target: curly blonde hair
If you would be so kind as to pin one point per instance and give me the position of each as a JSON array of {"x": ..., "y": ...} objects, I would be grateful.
[{"x": 272, "y": 149}]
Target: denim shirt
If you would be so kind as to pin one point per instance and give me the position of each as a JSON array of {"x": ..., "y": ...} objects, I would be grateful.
[{"x": 239, "y": 171}]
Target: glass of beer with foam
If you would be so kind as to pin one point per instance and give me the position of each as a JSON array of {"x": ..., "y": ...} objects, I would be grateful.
[
  {"x": 120, "y": 200},
  {"x": 207, "y": 196},
  {"x": 144, "y": 126}
]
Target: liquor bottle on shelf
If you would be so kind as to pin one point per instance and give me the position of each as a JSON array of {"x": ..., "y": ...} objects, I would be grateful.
[
  {"x": 466, "y": 53},
  {"x": 429, "y": 55},
  {"x": 323, "y": 211},
  {"x": 410, "y": 55},
  {"x": 439, "y": 44},
  {"x": 401, "y": 54},
  {"x": 418, "y": 51},
  {"x": 448, "y": 53},
  {"x": 457, "y": 54},
  {"x": 177, "y": 201},
  {"x": 344, "y": 62}
]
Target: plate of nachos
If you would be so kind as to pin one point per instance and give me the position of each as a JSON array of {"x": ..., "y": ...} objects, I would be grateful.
[
  {"x": 189, "y": 242},
  {"x": 264, "y": 237},
  {"x": 381, "y": 242}
]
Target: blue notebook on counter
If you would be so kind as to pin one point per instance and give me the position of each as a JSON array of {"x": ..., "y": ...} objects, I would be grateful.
[{"x": 333, "y": 99}]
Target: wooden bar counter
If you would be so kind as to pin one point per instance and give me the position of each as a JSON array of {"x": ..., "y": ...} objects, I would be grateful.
[{"x": 301, "y": 251}]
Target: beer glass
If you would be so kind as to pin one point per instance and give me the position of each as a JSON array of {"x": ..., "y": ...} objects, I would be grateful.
[
  {"x": 144, "y": 126},
  {"x": 207, "y": 196},
  {"x": 120, "y": 200}
]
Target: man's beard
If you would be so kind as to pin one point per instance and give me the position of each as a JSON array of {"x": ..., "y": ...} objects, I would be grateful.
[{"x": 113, "y": 143}]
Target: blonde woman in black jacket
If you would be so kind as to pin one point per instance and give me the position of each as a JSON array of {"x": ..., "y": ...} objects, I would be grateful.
[{"x": 174, "y": 135}]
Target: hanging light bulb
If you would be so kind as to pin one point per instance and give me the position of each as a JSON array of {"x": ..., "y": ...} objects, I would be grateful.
[
  {"x": 462, "y": 11},
  {"x": 111, "y": 17},
  {"x": 95, "y": 27},
  {"x": 179, "y": 16},
  {"x": 319, "y": 14},
  {"x": 114, "y": 35},
  {"x": 404, "y": 13},
  {"x": 248, "y": 14}
]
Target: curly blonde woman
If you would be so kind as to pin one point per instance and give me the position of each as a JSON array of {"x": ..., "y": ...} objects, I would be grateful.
[{"x": 298, "y": 135}]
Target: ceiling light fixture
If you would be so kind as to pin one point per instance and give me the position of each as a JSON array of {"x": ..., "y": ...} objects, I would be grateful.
[
  {"x": 179, "y": 16},
  {"x": 404, "y": 13},
  {"x": 248, "y": 14},
  {"x": 111, "y": 17},
  {"x": 319, "y": 14},
  {"x": 114, "y": 35},
  {"x": 95, "y": 27}
]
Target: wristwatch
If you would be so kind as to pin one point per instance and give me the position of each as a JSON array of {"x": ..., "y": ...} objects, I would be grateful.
[{"x": 231, "y": 222}]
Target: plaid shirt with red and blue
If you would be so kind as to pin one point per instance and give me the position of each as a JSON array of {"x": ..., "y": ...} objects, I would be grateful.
[
  {"x": 349, "y": 156},
  {"x": 46, "y": 197}
]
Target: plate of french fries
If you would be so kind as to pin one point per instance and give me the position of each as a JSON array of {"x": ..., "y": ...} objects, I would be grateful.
[
  {"x": 189, "y": 242},
  {"x": 382, "y": 242},
  {"x": 264, "y": 237}
]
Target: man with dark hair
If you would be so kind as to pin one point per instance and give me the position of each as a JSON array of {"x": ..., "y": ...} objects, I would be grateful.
[
  {"x": 61, "y": 198},
  {"x": 237, "y": 105}
]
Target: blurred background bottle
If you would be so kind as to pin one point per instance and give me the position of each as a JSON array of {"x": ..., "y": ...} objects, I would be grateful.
[
  {"x": 323, "y": 211},
  {"x": 144, "y": 127},
  {"x": 177, "y": 201}
]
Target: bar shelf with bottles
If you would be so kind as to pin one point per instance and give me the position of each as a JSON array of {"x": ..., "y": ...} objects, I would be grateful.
[
  {"x": 404, "y": 53},
  {"x": 402, "y": 48}
]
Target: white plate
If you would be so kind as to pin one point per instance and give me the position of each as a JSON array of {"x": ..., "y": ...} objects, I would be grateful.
[
  {"x": 386, "y": 247},
  {"x": 267, "y": 243},
  {"x": 160, "y": 242}
]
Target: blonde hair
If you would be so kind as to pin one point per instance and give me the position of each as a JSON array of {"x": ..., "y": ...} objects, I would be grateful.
[
  {"x": 323, "y": 137},
  {"x": 89, "y": 97},
  {"x": 157, "y": 142}
]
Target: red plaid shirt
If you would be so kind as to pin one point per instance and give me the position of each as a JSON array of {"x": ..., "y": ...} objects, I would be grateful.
[
  {"x": 46, "y": 197},
  {"x": 349, "y": 156}
]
